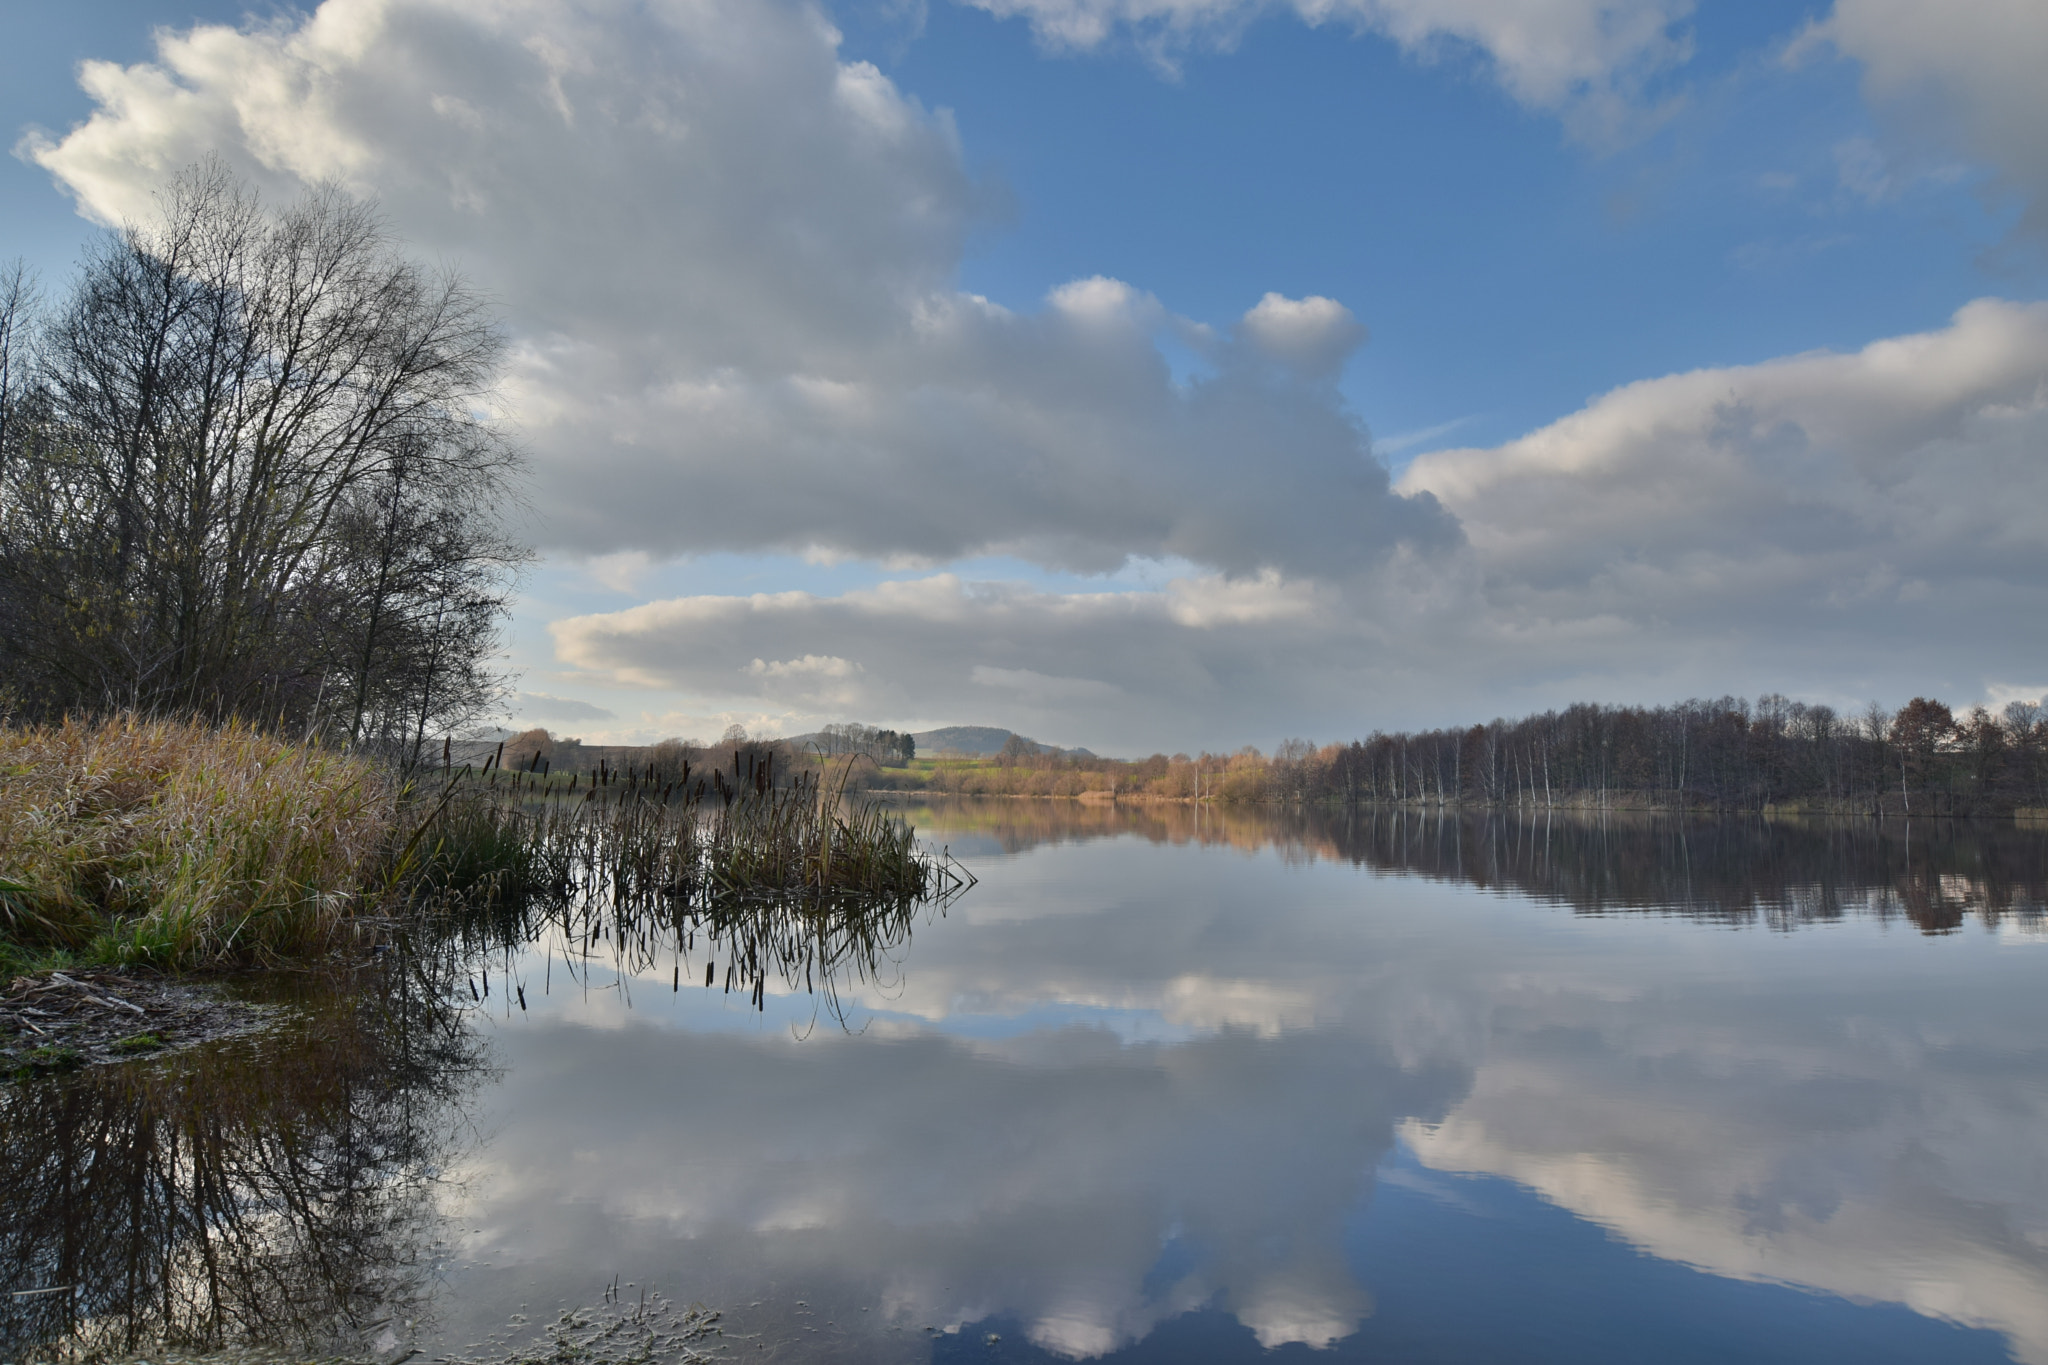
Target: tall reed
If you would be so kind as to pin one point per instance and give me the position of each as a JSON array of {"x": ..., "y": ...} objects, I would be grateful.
[
  {"x": 632, "y": 838},
  {"x": 796, "y": 880}
]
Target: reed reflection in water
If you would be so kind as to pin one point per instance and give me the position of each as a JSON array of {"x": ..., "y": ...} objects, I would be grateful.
[
  {"x": 280, "y": 1190},
  {"x": 753, "y": 883}
]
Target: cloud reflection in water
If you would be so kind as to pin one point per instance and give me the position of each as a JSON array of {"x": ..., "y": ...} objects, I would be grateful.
[{"x": 1855, "y": 1105}]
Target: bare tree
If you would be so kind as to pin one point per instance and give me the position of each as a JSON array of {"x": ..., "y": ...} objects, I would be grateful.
[
  {"x": 258, "y": 481},
  {"x": 18, "y": 306}
]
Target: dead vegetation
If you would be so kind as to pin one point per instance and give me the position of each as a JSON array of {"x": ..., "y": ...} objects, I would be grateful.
[{"x": 60, "y": 1021}]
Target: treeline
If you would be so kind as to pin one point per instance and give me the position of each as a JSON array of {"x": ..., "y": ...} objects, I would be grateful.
[
  {"x": 1726, "y": 754},
  {"x": 245, "y": 473},
  {"x": 890, "y": 748}
]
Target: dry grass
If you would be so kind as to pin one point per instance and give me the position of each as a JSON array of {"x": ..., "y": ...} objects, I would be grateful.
[
  {"x": 180, "y": 845},
  {"x": 175, "y": 844}
]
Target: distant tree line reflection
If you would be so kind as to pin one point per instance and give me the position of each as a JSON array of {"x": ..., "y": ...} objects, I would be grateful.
[
  {"x": 1778, "y": 872},
  {"x": 1734, "y": 869}
]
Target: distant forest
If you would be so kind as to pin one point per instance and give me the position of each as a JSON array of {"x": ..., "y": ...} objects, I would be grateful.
[
  {"x": 1725, "y": 754},
  {"x": 1722, "y": 755}
]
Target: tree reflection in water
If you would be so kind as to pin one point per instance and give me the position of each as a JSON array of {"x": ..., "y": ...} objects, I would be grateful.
[
  {"x": 277, "y": 1190},
  {"x": 1780, "y": 871},
  {"x": 282, "y": 1190}
]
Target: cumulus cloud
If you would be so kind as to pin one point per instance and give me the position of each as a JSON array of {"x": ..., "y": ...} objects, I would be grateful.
[
  {"x": 728, "y": 257},
  {"x": 1845, "y": 500},
  {"x": 1589, "y": 60},
  {"x": 1968, "y": 72},
  {"x": 1838, "y": 526},
  {"x": 818, "y": 682},
  {"x": 1314, "y": 334}
]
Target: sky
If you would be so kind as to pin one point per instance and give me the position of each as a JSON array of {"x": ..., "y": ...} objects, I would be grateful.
[{"x": 1178, "y": 374}]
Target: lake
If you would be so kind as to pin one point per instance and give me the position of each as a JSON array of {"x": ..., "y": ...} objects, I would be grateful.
[{"x": 1163, "y": 1086}]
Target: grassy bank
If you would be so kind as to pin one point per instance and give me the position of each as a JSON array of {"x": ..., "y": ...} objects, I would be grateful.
[
  {"x": 148, "y": 841},
  {"x": 145, "y": 842}
]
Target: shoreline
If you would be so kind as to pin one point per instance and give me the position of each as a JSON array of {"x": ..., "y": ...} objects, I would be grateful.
[{"x": 1584, "y": 805}]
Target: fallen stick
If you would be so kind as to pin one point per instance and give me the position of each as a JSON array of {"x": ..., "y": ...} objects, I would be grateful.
[{"x": 99, "y": 999}]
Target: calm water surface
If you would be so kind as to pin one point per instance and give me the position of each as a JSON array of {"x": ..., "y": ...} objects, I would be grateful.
[{"x": 1336, "y": 1089}]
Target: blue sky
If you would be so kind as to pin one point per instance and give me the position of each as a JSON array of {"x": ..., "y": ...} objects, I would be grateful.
[
  {"x": 942, "y": 327},
  {"x": 1507, "y": 272}
]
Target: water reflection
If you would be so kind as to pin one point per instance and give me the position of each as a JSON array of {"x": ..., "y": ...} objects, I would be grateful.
[
  {"x": 1778, "y": 871},
  {"x": 748, "y": 944},
  {"x": 1132, "y": 1084},
  {"x": 1236, "y": 1084},
  {"x": 277, "y": 1190}
]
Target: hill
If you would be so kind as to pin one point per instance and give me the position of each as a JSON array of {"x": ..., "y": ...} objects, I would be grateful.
[
  {"x": 980, "y": 740},
  {"x": 964, "y": 739}
]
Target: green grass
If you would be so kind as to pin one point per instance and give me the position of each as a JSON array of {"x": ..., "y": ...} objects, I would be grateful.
[{"x": 47, "y": 1061}]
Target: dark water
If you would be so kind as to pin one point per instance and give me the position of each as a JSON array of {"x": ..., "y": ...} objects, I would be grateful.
[{"x": 1159, "y": 1089}]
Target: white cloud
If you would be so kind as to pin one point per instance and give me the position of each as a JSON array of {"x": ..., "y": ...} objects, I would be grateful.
[
  {"x": 1825, "y": 504},
  {"x": 621, "y": 572},
  {"x": 1314, "y": 334},
  {"x": 728, "y": 256},
  {"x": 1836, "y": 526},
  {"x": 815, "y": 680},
  {"x": 1999, "y": 695},
  {"x": 1966, "y": 72},
  {"x": 1589, "y": 60},
  {"x": 811, "y": 665},
  {"x": 1208, "y": 602},
  {"x": 729, "y": 262}
]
